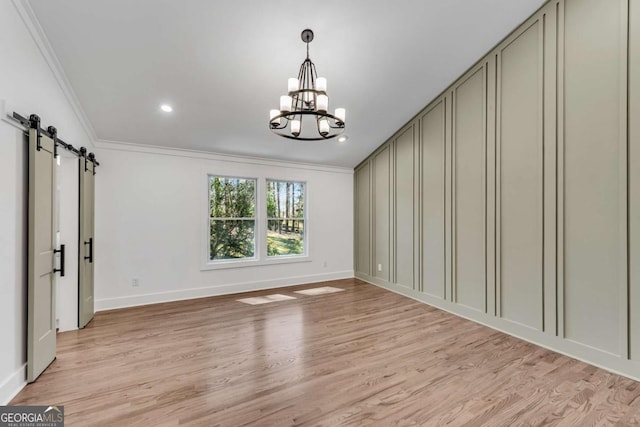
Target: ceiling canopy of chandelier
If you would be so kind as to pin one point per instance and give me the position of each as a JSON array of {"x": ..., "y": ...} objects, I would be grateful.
[{"x": 303, "y": 113}]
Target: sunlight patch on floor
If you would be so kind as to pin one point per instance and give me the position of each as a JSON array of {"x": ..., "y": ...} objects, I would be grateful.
[
  {"x": 319, "y": 291},
  {"x": 265, "y": 299}
]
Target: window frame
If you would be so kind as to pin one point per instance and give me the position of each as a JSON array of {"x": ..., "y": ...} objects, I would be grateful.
[
  {"x": 256, "y": 225},
  {"x": 304, "y": 218},
  {"x": 260, "y": 231}
]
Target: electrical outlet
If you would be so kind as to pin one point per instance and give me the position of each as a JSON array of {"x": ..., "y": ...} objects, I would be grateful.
[
  {"x": 379, "y": 267},
  {"x": 135, "y": 283},
  {"x": 324, "y": 264}
]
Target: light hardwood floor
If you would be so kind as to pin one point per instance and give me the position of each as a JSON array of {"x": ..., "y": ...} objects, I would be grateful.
[{"x": 364, "y": 356}]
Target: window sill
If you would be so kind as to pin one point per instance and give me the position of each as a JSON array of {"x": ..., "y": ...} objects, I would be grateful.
[{"x": 222, "y": 265}]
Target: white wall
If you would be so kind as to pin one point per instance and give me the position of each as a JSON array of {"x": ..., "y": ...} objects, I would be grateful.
[
  {"x": 67, "y": 199},
  {"x": 150, "y": 207},
  {"x": 27, "y": 85}
]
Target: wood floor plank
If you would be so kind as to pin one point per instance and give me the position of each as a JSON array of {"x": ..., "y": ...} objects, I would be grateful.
[{"x": 364, "y": 356}]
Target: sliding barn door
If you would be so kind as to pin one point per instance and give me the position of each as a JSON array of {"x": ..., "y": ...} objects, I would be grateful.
[
  {"x": 85, "y": 276},
  {"x": 41, "y": 319}
]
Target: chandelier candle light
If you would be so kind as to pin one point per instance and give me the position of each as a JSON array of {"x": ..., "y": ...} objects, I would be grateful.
[{"x": 303, "y": 113}]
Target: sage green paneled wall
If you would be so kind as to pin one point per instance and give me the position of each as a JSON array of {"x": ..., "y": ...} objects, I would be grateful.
[
  {"x": 594, "y": 172},
  {"x": 382, "y": 220},
  {"x": 363, "y": 227},
  {"x": 404, "y": 208},
  {"x": 469, "y": 190},
  {"x": 519, "y": 178},
  {"x": 432, "y": 195},
  {"x": 513, "y": 199}
]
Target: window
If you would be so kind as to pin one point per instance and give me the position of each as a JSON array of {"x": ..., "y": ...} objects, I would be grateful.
[
  {"x": 232, "y": 218},
  {"x": 285, "y": 218},
  {"x": 253, "y": 221}
]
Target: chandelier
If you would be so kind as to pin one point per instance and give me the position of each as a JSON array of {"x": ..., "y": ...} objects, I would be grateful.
[{"x": 303, "y": 113}]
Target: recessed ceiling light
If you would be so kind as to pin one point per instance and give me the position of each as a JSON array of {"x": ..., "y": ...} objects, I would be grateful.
[
  {"x": 166, "y": 108},
  {"x": 343, "y": 138}
]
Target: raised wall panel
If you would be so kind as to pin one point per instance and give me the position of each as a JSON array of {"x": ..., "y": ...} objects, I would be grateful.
[
  {"x": 593, "y": 169},
  {"x": 404, "y": 208},
  {"x": 491, "y": 70},
  {"x": 363, "y": 220},
  {"x": 634, "y": 176},
  {"x": 432, "y": 138},
  {"x": 469, "y": 183},
  {"x": 382, "y": 217},
  {"x": 550, "y": 19},
  {"x": 520, "y": 179}
]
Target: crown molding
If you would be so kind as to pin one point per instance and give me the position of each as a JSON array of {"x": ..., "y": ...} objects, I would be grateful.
[
  {"x": 102, "y": 144},
  {"x": 39, "y": 37}
]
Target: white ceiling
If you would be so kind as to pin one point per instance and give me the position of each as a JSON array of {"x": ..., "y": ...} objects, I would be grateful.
[{"x": 223, "y": 65}]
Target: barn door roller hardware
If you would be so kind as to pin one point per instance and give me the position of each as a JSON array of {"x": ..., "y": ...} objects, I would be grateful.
[{"x": 33, "y": 122}]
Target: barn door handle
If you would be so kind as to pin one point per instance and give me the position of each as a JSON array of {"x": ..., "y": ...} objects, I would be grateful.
[
  {"x": 90, "y": 243},
  {"x": 61, "y": 252}
]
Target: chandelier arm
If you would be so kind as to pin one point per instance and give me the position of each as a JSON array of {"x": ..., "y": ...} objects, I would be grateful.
[
  {"x": 301, "y": 76},
  {"x": 301, "y": 84},
  {"x": 298, "y": 138},
  {"x": 306, "y": 113},
  {"x": 310, "y": 97},
  {"x": 315, "y": 91},
  {"x": 278, "y": 127},
  {"x": 314, "y": 76},
  {"x": 294, "y": 95},
  {"x": 290, "y": 115}
]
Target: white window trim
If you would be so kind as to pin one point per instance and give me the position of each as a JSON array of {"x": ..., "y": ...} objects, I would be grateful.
[
  {"x": 305, "y": 237},
  {"x": 256, "y": 229},
  {"x": 260, "y": 257}
]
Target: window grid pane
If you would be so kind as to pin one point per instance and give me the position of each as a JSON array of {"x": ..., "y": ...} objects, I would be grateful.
[
  {"x": 232, "y": 197},
  {"x": 232, "y": 239}
]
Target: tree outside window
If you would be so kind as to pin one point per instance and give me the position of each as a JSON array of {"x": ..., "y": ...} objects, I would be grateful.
[
  {"x": 285, "y": 218},
  {"x": 232, "y": 218}
]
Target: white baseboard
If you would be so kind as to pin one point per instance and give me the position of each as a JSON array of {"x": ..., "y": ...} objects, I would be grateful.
[
  {"x": 185, "y": 294},
  {"x": 12, "y": 385}
]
